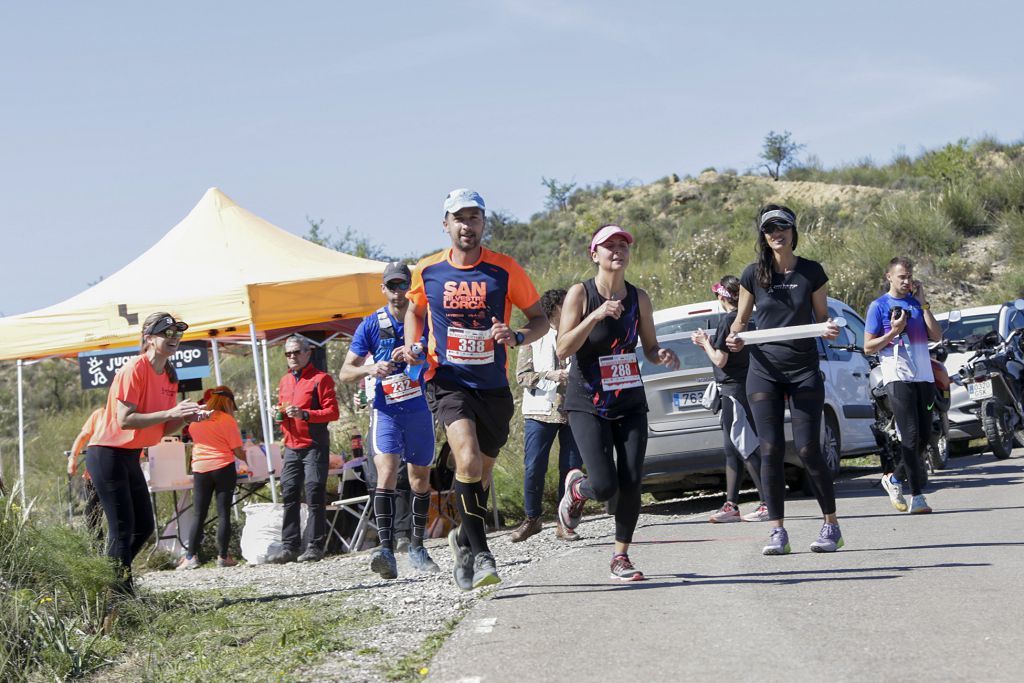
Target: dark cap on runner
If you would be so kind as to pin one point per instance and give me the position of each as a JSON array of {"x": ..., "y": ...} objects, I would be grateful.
[{"x": 397, "y": 271}]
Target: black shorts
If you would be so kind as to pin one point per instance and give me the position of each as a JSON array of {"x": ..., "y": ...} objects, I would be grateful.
[{"x": 490, "y": 409}]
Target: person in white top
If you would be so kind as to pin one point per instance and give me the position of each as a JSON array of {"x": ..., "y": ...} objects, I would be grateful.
[{"x": 543, "y": 378}]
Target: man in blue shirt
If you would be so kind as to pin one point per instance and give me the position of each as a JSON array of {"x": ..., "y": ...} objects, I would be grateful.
[
  {"x": 898, "y": 326},
  {"x": 401, "y": 426}
]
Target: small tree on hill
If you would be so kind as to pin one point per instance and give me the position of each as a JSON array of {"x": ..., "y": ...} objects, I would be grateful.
[
  {"x": 558, "y": 193},
  {"x": 779, "y": 152}
]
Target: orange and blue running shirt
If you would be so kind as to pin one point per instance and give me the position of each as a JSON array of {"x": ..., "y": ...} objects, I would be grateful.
[{"x": 460, "y": 302}]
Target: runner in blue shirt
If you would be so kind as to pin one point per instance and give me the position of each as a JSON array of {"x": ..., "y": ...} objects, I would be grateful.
[{"x": 401, "y": 426}]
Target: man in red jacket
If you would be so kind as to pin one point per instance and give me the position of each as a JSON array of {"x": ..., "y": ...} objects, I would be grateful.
[{"x": 307, "y": 402}]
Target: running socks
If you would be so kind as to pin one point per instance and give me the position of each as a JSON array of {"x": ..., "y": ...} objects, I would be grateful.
[
  {"x": 420, "y": 511},
  {"x": 384, "y": 512},
  {"x": 471, "y": 502}
]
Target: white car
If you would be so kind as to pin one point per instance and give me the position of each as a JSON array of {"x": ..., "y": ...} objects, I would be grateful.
[
  {"x": 684, "y": 450},
  {"x": 964, "y": 425}
]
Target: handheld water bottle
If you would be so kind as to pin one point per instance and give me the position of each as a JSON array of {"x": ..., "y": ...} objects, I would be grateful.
[{"x": 416, "y": 371}]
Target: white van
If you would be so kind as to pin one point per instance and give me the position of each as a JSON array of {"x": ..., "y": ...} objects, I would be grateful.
[{"x": 684, "y": 450}]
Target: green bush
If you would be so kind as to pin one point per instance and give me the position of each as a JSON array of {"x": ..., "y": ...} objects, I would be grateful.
[
  {"x": 964, "y": 208},
  {"x": 55, "y": 592}
]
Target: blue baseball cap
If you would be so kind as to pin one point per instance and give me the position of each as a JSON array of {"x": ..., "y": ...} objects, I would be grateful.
[{"x": 463, "y": 198}]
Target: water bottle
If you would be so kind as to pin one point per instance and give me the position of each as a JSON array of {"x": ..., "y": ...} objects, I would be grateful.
[{"x": 416, "y": 371}]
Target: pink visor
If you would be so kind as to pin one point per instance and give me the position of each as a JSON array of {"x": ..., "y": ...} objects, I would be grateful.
[
  {"x": 718, "y": 289},
  {"x": 606, "y": 233}
]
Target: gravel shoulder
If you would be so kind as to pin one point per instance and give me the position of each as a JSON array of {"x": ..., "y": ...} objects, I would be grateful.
[{"x": 414, "y": 607}]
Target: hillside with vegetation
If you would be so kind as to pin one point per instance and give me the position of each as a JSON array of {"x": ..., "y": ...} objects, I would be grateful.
[{"x": 958, "y": 212}]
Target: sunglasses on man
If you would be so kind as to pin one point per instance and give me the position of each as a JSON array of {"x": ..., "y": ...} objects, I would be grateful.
[
  {"x": 397, "y": 286},
  {"x": 291, "y": 354}
]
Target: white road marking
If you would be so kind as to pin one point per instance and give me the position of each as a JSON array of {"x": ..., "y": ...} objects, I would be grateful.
[{"x": 486, "y": 625}]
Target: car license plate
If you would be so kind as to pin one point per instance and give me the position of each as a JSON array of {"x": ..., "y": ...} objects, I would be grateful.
[
  {"x": 979, "y": 390},
  {"x": 687, "y": 399}
]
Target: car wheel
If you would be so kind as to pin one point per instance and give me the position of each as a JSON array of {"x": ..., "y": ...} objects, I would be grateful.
[{"x": 831, "y": 445}]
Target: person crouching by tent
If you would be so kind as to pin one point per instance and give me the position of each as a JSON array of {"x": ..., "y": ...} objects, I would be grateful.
[
  {"x": 93, "y": 510},
  {"x": 216, "y": 444},
  {"x": 140, "y": 410}
]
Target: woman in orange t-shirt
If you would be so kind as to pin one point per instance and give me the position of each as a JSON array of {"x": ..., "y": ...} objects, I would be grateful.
[
  {"x": 216, "y": 444},
  {"x": 140, "y": 410}
]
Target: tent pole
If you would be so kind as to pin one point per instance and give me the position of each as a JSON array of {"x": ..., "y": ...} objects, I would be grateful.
[
  {"x": 216, "y": 360},
  {"x": 270, "y": 399},
  {"x": 264, "y": 417},
  {"x": 21, "y": 433}
]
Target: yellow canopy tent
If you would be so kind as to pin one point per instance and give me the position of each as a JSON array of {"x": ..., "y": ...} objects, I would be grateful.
[
  {"x": 222, "y": 267},
  {"x": 223, "y": 270}
]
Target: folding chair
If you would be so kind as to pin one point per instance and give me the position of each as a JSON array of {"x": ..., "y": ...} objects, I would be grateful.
[{"x": 357, "y": 506}]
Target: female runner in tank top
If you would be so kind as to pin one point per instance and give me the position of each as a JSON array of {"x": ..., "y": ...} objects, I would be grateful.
[
  {"x": 602, "y": 321},
  {"x": 787, "y": 290}
]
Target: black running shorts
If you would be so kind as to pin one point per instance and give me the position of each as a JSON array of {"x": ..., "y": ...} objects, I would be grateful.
[{"x": 490, "y": 409}]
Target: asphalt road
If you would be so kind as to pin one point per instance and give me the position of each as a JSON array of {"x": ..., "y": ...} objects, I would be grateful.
[{"x": 922, "y": 598}]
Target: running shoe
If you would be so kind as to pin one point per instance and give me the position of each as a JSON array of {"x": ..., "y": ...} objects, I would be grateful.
[
  {"x": 462, "y": 561},
  {"x": 485, "y": 573},
  {"x": 186, "y": 563},
  {"x": 226, "y": 561},
  {"x": 570, "y": 509},
  {"x": 728, "y": 513},
  {"x": 829, "y": 540},
  {"x": 778, "y": 542},
  {"x": 421, "y": 561},
  {"x": 894, "y": 487},
  {"x": 623, "y": 569},
  {"x": 758, "y": 515},
  {"x": 919, "y": 506},
  {"x": 382, "y": 561}
]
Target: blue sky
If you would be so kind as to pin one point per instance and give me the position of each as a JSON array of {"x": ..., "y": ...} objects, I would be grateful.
[{"x": 116, "y": 117}]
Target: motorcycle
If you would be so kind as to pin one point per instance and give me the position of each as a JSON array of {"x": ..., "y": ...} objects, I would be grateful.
[
  {"x": 993, "y": 378},
  {"x": 936, "y": 454},
  {"x": 938, "y": 440}
]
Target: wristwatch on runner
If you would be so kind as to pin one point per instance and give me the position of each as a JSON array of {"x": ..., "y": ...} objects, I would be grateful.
[{"x": 520, "y": 338}]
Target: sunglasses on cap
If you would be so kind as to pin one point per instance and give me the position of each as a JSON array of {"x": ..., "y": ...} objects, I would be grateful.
[
  {"x": 397, "y": 286},
  {"x": 770, "y": 228},
  {"x": 170, "y": 333}
]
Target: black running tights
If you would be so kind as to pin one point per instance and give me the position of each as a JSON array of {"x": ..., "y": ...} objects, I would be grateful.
[
  {"x": 806, "y": 402},
  {"x": 911, "y": 406},
  {"x": 613, "y": 453},
  {"x": 735, "y": 463},
  {"x": 121, "y": 486},
  {"x": 204, "y": 485}
]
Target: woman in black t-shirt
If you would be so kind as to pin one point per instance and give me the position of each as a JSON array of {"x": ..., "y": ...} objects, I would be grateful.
[
  {"x": 788, "y": 290},
  {"x": 731, "y": 375},
  {"x": 602, "y": 321}
]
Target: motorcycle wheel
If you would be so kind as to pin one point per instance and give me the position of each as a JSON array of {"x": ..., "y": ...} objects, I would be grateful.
[
  {"x": 995, "y": 420},
  {"x": 938, "y": 453}
]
